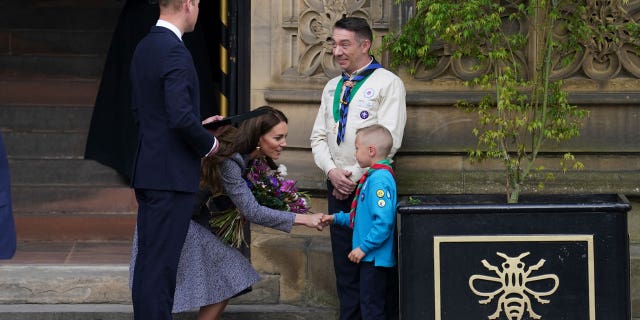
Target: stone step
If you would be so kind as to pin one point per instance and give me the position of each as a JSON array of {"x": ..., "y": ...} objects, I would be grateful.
[
  {"x": 52, "y": 66},
  {"x": 55, "y": 41},
  {"x": 99, "y": 226},
  {"x": 43, "y": 14},
  {"x": 48, "y": 92},
  {"x": 45, "y": 145},
  {"x": 63, "y": 173},
  {"x": 44, "y": 118},
  {"x": 125, "y": 312},
  {"x": 72, "y": 199},
  {"x": 45, "y": 132},
  {"x": 94, "y": 284}
]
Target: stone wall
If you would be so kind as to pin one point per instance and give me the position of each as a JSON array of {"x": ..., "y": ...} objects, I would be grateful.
[{"x": 290, "y": 65}]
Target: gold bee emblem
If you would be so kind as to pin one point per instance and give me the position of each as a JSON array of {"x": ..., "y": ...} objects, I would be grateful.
[{"x": 514, "y": 294}]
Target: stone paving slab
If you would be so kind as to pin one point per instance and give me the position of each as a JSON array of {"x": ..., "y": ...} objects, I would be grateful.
[{"x": 125, "y": 312}]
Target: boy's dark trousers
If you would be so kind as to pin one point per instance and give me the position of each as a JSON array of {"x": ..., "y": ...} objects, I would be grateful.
[{"x": 374, "y": 288}]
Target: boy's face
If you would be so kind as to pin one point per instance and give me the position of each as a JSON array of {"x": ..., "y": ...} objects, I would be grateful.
[{"x": 363, "y": 153}]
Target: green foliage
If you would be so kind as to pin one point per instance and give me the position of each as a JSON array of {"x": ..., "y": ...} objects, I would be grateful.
[
  {"x": 527, "y": 107},
  {"x": 414, "y": 201}
]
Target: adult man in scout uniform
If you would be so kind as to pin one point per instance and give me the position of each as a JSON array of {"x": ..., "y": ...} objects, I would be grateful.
[{"x": 365, "y": 94}]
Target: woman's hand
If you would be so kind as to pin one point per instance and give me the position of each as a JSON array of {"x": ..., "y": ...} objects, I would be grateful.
[{"x": 310, "y": 220}]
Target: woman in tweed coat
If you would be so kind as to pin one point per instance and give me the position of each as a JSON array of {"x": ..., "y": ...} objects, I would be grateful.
[{"x": 211, "y": 272}]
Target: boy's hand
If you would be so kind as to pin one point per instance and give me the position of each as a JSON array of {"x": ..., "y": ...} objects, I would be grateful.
[
  {"x": 356, "y": 255},
  {"x": 327, "y": 220}
]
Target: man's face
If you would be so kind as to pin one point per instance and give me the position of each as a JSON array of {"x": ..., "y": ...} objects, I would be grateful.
[{"x": 349, "y": 52}]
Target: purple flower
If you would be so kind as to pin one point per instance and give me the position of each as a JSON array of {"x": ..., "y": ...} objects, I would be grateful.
[
  {"x": 253, "y": 177},
  {"x": 288, "y": 186},
  {"x": 271, "y": 189},
  {"x": 273, "y": 181}
]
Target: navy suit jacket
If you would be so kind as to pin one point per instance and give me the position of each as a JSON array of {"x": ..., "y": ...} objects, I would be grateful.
[
  {"x": 166, "y": 106},
  {"x": 7, "y": 226}
]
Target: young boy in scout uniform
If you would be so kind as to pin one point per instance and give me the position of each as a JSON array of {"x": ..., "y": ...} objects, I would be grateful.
[{"x": 373, "y": 220}]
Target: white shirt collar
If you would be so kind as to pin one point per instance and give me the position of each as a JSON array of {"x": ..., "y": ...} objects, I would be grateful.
[
  {"x": 361, "y": 69},
  {"x": 170, "y": 26}
]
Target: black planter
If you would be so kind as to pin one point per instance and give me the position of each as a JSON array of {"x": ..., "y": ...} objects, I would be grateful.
[{"x": 567, "y": 257}]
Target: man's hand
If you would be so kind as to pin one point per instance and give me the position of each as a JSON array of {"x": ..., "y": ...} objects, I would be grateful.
[
  {"x": 339, "y": 195},
  {"x": 340, "y": 180},
  {"x": 219, "y": 130},
  {"x": 356, "y": 255}
]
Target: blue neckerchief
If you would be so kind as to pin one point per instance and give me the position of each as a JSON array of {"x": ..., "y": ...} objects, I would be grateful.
[{"x": 353, "y": 83}]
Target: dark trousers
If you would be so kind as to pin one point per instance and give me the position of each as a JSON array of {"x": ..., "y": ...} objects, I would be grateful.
[
  {"x": 374, "y": 283},
  {"x": 163, "y": 221},
  {"x": 347, "y": 272}
]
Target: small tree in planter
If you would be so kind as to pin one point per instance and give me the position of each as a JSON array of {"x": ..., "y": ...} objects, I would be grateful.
[{"x": 527, "y": 107}]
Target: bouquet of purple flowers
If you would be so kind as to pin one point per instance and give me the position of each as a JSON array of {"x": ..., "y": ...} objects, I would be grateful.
[{"x": 271, "y": 189}]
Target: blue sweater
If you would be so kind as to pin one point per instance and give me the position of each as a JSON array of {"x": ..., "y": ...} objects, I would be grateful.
[{"x": 375, "y": 222}]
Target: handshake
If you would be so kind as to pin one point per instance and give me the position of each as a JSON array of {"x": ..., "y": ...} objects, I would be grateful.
[
  {"x": 314, "y": 220},
  {"x": 321, "y": 220}
]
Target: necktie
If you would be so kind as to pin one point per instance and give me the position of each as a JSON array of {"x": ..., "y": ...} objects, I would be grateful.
[
  {"x": 384, "y": 164},
  {"x": 346, "y": 96}
]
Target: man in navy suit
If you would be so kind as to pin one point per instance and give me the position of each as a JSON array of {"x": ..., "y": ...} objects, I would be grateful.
[
  {"x": 171, "y": 144},
  {"x": 7, "y": 226}
]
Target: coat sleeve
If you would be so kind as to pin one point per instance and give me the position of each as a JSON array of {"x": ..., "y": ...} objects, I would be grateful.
[
  {"x": 240, "y": 194},
  {"x": 319, "y": 144},
  {"x": 342, "y": 219},
  {"x": 182, "y": 111}
]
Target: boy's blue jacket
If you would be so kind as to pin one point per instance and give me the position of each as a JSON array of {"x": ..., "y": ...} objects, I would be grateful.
[{"x": 375, "y": 222}]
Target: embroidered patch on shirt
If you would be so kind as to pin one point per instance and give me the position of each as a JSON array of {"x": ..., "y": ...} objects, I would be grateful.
[
  {"x": 380, "y": 193},
  {"x": 364, "y": 115},
  {"x": 381, "y": 203},
  {"x": 369, "y": 92}
]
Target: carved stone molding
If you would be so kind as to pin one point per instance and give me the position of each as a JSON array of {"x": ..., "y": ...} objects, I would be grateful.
[
  {"x": 308, "y": 32},
  {"x": 601, "y": 58},
  {"x": 315, "y": 27}
]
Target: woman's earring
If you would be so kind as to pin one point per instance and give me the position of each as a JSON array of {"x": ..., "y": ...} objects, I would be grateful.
[{"x": 258, "y": 148}]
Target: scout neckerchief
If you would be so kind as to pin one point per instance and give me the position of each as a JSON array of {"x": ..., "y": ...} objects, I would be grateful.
[
  {"x": 383, "y": 164},
  {"x": 341, "y": 106}
]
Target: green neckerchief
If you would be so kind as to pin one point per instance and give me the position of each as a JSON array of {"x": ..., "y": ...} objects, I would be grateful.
[{"x": 338, "y": 93}]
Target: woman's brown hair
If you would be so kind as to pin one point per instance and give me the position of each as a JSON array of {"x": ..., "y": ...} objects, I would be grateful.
[{"x": 243, "y": 140}]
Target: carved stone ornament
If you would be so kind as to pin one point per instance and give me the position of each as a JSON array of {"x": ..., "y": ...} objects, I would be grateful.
[
  {"x": 602, "y": 57},
  {"x": 315, "y": 27}
]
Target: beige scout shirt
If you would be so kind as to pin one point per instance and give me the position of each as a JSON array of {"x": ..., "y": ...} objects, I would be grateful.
[{"x": 380, "y": 100}]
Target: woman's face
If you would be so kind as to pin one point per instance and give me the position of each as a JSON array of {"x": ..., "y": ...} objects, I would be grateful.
[{"x": 273, "y": 142}]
